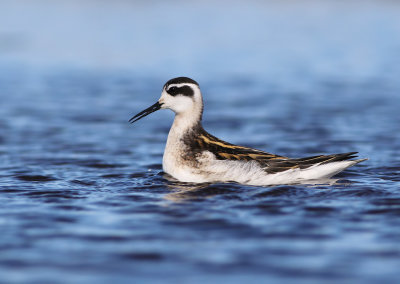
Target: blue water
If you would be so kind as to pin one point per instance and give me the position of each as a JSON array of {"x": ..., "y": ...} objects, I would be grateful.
[{"x": 82, "y": 193}]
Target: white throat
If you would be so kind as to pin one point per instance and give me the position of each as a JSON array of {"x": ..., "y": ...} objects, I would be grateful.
[{"x": 185, "y": 121}]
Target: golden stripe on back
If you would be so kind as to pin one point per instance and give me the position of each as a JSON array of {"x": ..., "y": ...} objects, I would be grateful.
[{"x": 224, "y": 150}]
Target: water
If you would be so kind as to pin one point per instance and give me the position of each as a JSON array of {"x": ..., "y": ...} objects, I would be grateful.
[{"x": 82, "y": 193}]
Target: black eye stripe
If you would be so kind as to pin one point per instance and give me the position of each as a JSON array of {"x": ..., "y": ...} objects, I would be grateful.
[{"x": 184, "y": 91}]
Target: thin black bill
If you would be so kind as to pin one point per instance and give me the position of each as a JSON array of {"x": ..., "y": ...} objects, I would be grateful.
[{"x": 146, "y": 112}]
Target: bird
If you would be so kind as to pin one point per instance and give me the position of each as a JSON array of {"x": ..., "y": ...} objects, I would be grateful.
[{"x": 193, "y": 155}]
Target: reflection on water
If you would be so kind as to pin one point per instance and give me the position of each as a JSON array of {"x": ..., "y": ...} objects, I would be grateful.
[
  {"x": 189, "y": 191},
  {"x": 82, "y": 193}
]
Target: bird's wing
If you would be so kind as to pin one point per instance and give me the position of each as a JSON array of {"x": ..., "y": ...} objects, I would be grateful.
[
  {"x": 277, "y": 166},
  {"x": 270, "y": 162},
  {"x": 226, "y": 151}
]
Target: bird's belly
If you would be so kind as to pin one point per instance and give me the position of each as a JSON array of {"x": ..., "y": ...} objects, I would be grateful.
[
  {"x": 205, "y": 168},
  {"x": 182, "y": 170}
]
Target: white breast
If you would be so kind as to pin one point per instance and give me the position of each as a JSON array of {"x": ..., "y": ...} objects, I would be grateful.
[{"x": 175, "y": 159}]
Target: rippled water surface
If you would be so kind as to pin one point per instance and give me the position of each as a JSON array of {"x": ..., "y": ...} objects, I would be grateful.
[{"x": 82, "y": 193}]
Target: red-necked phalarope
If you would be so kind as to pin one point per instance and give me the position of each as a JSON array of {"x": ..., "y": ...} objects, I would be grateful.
[{"x": 194, "y": 155}]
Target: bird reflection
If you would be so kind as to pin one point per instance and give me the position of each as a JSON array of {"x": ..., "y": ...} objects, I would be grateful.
[{"x": 183, "y": 191}]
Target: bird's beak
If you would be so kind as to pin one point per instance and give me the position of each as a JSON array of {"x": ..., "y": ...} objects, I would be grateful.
[{"x": 145, "y": 112}]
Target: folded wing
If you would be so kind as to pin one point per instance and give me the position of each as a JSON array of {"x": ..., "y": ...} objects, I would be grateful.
[{"x": 270, "y": 162}]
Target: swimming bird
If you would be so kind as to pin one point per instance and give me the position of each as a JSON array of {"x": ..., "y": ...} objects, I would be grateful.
[{"x": 193, "y": 155}]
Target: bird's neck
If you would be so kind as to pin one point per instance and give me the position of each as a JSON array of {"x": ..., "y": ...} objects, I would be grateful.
[{"x": 186, "y": 121}]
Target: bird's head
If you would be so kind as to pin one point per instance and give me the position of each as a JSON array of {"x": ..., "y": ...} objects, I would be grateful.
[{"x": 181, "y": 95}]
